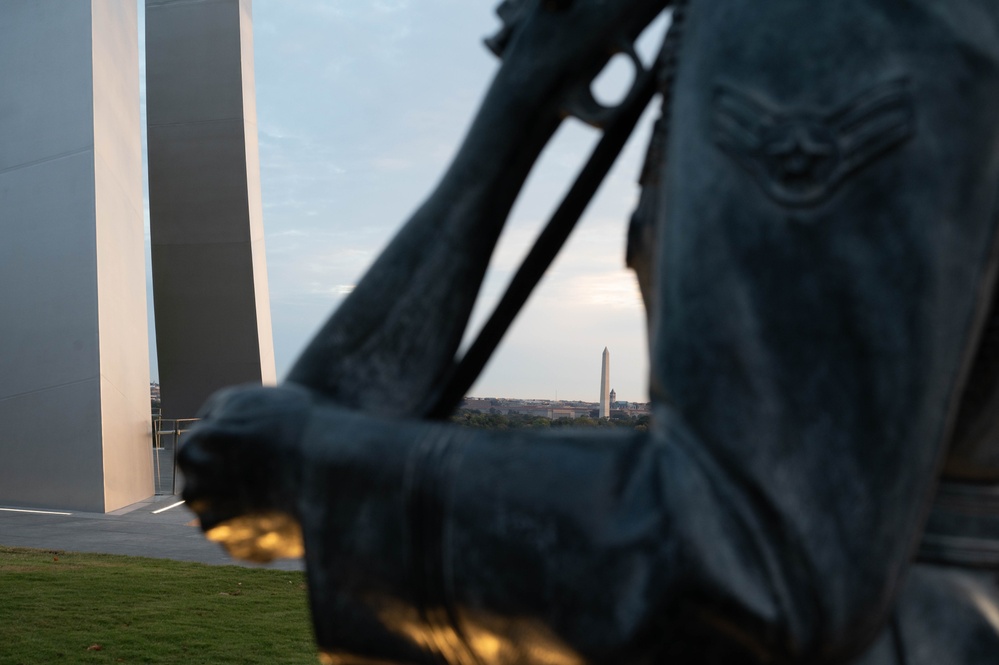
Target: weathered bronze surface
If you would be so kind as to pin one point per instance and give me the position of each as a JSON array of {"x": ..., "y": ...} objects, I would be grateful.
[{"x": 816, "y": 243}]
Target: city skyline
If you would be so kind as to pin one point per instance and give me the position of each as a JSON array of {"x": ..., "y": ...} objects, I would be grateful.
[{"x": 360, "y": 108}]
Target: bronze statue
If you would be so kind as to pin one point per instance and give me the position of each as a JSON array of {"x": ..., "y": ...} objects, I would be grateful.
[{"x": 816, "y": 244}]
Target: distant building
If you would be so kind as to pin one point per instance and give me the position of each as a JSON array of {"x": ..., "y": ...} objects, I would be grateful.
[
  {"x": 613, "y": 397},
  {"x": 553, "y": 409}
]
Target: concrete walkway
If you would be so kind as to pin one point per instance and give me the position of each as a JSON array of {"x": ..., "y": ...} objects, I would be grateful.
[{"x": 149, "y": 528}]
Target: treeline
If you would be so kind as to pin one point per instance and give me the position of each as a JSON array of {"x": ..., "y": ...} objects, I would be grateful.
[{"x": 500, "y": 421}]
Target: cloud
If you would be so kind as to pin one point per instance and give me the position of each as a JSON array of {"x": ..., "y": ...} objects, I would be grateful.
[
  {"x": 337, "y": 291},
  {"x": 610, "y": 290},
  {"x": 390, "y": 6},
  {"x": 391, "y": 163}
]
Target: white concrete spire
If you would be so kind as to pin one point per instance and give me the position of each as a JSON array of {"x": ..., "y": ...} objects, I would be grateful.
[
  {"x": 74, "y": 356},
  {"x": 213, "y": 322}
]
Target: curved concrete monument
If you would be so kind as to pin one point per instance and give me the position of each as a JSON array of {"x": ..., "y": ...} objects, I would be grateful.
[
  {"x": 213, "y": 325},
  {"x": 74, "y": 368},
  {"x": 74, "y": 374}
]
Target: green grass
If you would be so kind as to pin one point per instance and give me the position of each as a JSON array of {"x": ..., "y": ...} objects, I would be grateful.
[{"x": 60, "y": 607}]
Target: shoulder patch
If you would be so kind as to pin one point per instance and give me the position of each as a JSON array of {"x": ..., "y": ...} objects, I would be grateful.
[{"x": 799, "y": 157}]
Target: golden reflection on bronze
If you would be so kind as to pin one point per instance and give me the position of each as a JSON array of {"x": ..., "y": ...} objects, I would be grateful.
[
  {"x": 260, "y": 538},
  {"x": 984, "y": 604},
  {"x": 510, "y": 641}
]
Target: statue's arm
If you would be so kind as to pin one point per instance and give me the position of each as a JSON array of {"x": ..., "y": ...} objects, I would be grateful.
[
  {"x": 516, "y": 547},
  {"x": 425, "y": 540},
  {"x": 583, "y": 546}
]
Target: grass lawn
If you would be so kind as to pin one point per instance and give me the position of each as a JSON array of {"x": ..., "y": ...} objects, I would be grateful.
[{"x": 60, "y": 607}]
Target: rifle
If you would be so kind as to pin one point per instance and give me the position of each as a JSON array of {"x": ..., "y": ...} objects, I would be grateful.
[{"x": 390, "y": 347}]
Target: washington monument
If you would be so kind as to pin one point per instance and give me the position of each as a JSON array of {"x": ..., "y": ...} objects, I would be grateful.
[{"x": 605, "y": 385}]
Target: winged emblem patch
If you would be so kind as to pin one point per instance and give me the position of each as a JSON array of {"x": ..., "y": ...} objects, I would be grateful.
[{"x": 798, "y": 156}]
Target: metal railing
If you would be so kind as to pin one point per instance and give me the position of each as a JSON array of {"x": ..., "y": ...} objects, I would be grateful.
[{"x": 168, "y": 430}]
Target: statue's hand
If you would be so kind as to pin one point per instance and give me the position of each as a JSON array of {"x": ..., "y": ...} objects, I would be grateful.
[
  {"x": 554, "y": 49},
  {"x": 241, "y": 463}
]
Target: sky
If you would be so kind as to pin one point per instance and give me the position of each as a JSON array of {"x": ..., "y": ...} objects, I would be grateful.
[{"x": 360, "y": 107}]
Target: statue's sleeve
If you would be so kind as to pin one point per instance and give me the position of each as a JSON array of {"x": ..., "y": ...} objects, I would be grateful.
[{"x": 429, "y": 541}]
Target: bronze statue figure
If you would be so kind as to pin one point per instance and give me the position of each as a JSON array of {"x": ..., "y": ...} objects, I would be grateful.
[{"x": 816, "y": 244}]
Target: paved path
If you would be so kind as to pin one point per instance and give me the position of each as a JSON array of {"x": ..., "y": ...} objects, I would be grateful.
[{"x": 137, "y": 530}]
